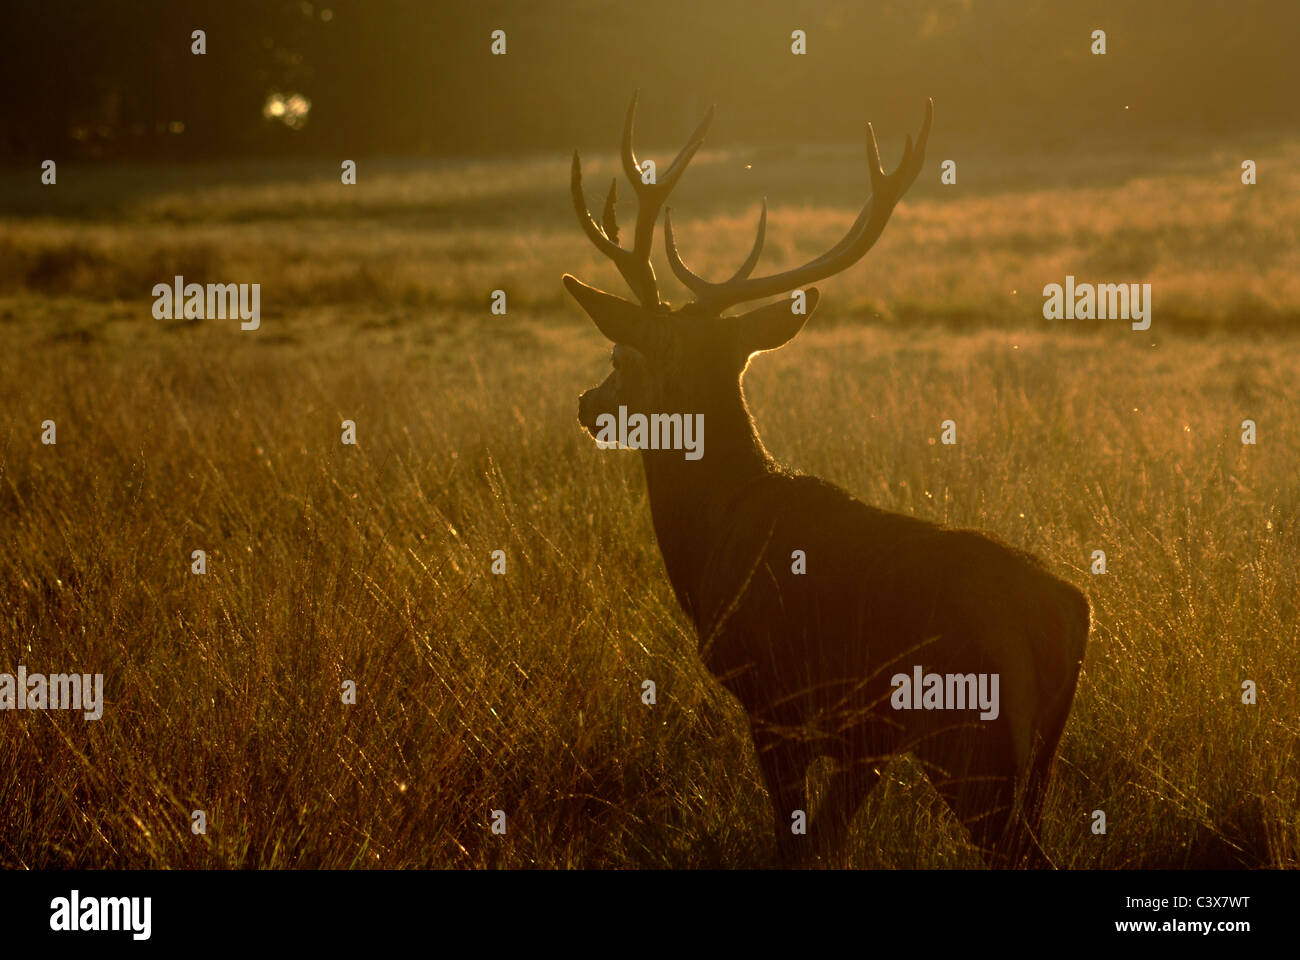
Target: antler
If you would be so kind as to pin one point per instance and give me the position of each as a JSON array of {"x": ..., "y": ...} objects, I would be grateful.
[
  {"x": 886, "y": 190},
  {"x": 634, "y": 264}
]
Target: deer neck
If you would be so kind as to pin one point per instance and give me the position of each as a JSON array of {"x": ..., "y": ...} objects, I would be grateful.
[{"x": 689, "y": 499}]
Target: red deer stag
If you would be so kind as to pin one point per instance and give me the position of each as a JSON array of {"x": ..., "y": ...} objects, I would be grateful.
[{"x": 823, "y": 660}]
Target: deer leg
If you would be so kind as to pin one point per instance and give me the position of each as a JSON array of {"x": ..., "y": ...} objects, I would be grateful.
[
  {"x": 848, "y": 788},
  {"x": 985, "y": 805},
  {"x": 975, "y": 774},
  {"x": 1030, "y": 820},
  {"x": 783, "y": 763},
  {"x": 1005, "y": 832},
  {"x": 1018, "y": 846},
  {"x": 1032, "y": 856},
  {"x": 1034, "y": 797}
]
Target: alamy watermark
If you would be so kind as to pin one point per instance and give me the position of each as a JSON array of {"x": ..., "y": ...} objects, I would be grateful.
[
  {"x": 179, "y": 300},
  {"x": 75, "y": 913},
  {"x": 1101, "y": 301},
  {"x": 658, "y": 431},
  {"x": 946, "y": 691},
  {"x": 58, "y": 691}
]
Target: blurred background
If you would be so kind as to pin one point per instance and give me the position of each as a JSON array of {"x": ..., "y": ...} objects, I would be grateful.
[{"x": 116, "y": 79}]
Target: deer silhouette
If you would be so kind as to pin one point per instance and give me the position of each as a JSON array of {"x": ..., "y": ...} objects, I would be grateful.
[{"x": 819, "y": 659}]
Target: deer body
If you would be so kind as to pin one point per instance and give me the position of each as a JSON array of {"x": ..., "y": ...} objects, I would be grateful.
[{"x": 810, "y": 655}]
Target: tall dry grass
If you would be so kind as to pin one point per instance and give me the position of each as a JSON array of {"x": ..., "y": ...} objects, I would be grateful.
[{"x": 522, "y": 692}]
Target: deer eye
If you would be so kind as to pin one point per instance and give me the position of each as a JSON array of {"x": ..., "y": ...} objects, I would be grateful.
[{"x": 624, "y": 358}]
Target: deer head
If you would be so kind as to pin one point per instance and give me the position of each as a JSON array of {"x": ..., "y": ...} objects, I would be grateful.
[{"x": 674, "y": 359}]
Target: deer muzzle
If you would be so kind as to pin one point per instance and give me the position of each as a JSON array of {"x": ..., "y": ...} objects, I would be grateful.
[{"x": 596, "y": 401}]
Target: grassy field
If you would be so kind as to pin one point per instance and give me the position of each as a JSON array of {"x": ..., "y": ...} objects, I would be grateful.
[{"x": 521, "y": 692}]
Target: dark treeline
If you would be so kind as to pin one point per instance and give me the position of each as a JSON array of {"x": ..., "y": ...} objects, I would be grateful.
[{"x": 116, "y": 78}]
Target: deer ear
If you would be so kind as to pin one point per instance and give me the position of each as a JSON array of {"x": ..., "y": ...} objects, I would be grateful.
[
  {"x": 773, "y": 325},
  {"x": 618, "y": 320}
]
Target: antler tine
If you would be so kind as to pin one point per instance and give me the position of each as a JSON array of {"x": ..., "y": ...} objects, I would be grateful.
[
  {"x": 690, "y": 280},
  {"x": 686, "y": 153},
  {"x": 751, "y": 261},
  {"x": 635, "y": 264},
  {"x": 632, "y": 166},
  {"x": 651, "y": 196},
  {"x": 594, "y": 233},
  {"x": 886, "y": 189},
  {"x": 874, "y": 166},
  {"x": 921, "y": 139},
  {"x": 693, "y": 281},
  {"x": 636, "y": 270},
  {"x": 608, "y": 219}
]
